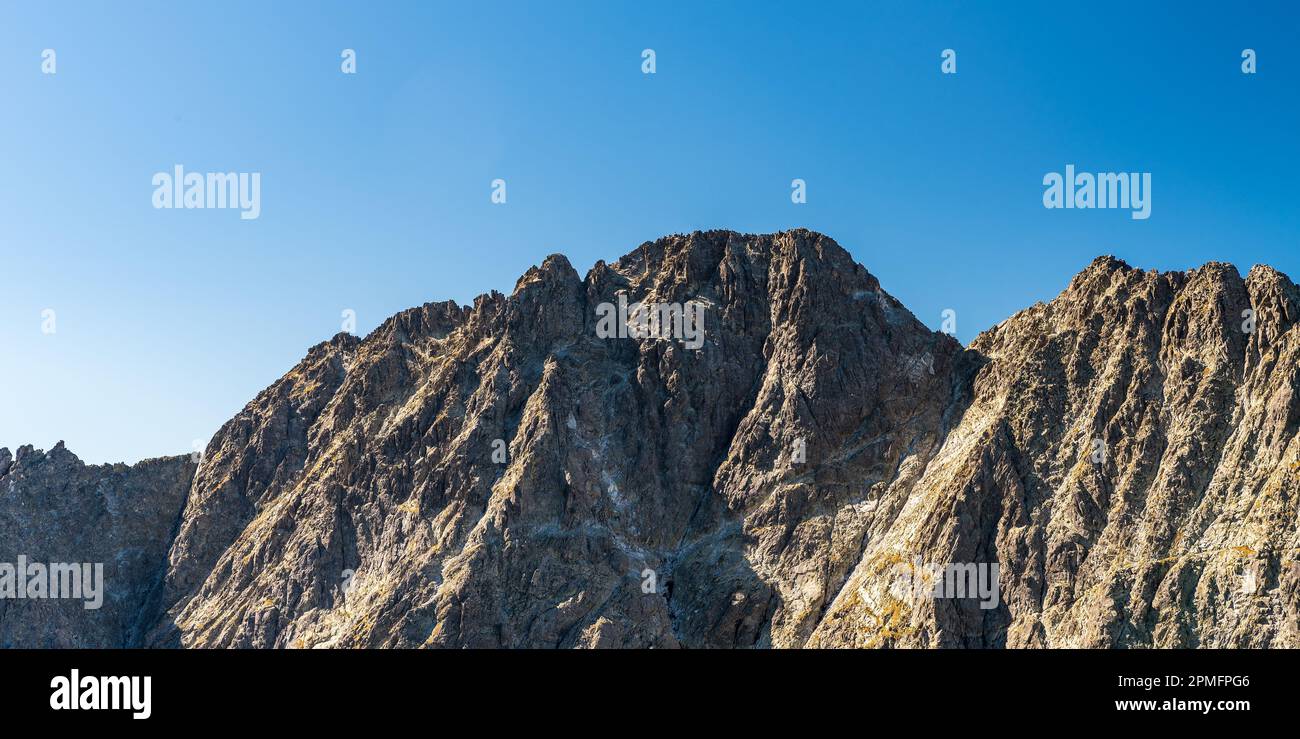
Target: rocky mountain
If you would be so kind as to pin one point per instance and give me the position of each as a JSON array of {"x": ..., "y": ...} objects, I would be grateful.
[
  {"x": 54, "y": 509},
  {"x": 1116, "y": 468}
]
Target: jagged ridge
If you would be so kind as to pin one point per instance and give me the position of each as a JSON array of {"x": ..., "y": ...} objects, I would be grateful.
[{"x": 356, "y": 502}]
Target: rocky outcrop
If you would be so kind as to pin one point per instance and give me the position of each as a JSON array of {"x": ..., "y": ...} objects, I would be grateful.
[
  {"x": 55, "y": 510},
  {"x": 504, "y": 476},
  {"x": 1120, "y": 464},
  {"x": 1128, "y": 456}
]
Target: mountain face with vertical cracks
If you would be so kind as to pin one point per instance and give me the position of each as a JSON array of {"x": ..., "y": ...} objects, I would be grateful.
[
  {"x": 1123, "y": 461},
  {"x": 56, "y": 510}
]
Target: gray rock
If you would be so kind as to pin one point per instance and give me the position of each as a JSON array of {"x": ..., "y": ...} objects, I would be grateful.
[
  {"x": 55, "y": 509},
  {"x": 1121, "y": 463}
]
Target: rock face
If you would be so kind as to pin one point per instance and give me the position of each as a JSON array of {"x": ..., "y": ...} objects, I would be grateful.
[
  {"x": 1118, "y": 467},
  {"x": 1128, "y": 455},
  {"x": 56, "y": 510},
  {"x": 503, "y": 476}
]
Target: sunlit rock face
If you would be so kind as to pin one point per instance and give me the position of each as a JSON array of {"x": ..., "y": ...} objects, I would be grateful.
[
  {"x": 786, "y": 457},
  {"x": 1128, "y": 455}
]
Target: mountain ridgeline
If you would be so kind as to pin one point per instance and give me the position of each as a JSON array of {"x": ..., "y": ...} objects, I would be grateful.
[{"x": 1120, "y": 466}]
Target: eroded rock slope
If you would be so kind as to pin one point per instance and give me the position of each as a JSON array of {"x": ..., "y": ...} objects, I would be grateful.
[
  {"x": 55, "y": 510},
  {"x": 502, "y": 475}
]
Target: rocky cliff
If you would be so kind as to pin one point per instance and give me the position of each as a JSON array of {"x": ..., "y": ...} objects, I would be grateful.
[
  {"x": 1128, "y": 454},
  {"x": 1118, "y": 467},
  {"x": 54, "y": 510}
]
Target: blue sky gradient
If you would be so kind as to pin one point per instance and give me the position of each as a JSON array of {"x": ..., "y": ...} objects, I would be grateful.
[{"x": 375, "y": 186}]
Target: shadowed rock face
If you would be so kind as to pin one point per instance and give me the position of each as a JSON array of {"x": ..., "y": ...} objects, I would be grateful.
[
  {"x": 54, "y": 509},
  {"x": 501, "y": 475}
]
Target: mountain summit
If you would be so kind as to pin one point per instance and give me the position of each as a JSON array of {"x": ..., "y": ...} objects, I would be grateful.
[{"x": 1115, "y": 468}]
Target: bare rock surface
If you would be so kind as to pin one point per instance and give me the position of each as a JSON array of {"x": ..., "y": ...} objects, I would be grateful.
[
  {"x": 1128, "y": 454},
  {"x": 56, "y": 510},
  {"x": 1123, "y": 460}
]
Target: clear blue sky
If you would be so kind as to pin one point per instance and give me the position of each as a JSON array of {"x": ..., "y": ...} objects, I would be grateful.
[{"x": 375, "y": 186}]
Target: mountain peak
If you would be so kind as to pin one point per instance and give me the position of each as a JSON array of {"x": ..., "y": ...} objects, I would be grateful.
[
  {"x": 1108, "y": 263},
  {"x": 747, "y": 470}
]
